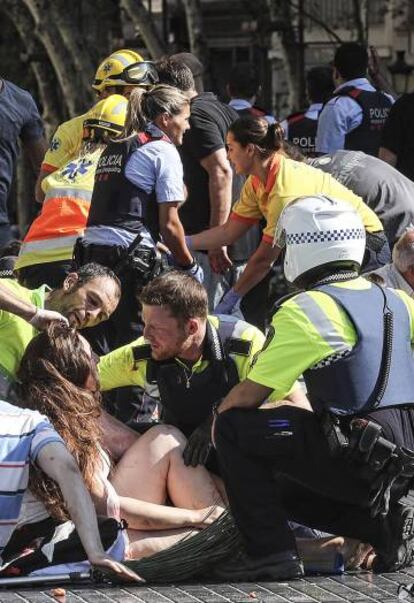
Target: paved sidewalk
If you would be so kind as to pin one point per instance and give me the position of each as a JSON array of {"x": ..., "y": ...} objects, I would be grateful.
[{"x": 355, "y": 588}]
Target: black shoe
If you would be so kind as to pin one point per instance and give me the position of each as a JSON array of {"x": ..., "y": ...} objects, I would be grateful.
[
  {"x": 243, "y": 567},
  {"x": 400, "y": 550}
]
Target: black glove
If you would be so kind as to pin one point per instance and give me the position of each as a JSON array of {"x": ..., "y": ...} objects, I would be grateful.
[{"x": 198, "y": 445}]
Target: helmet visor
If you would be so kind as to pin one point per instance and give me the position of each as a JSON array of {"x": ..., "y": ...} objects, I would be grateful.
[{"x": 143, "y": 73}]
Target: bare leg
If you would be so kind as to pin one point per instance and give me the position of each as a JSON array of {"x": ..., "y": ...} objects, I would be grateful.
[
  {"x": 153, "y": 470},
  {"x": 144, "y": 544}
]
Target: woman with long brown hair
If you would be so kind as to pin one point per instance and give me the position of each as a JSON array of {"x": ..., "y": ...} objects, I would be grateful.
[{"x": 58, "y": 378}]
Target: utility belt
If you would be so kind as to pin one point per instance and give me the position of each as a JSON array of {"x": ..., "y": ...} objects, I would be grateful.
[
  {"x": 142, "y": 262},
  {"x": 374, "y": 458}
]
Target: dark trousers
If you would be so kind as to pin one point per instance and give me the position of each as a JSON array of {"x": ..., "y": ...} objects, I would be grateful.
[
  {"x": 255, "y": 304},
  {"x": 277, "y": 467}
]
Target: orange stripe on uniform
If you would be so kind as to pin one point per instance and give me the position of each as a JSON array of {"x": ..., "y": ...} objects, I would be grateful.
[
  {"x": 47, "y": 167},
  {"x": 245, "y": 219},
  {"x": 267, "y": 239}
]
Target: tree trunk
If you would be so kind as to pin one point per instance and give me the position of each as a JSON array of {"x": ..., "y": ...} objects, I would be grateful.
[
  {"x": 198, "y": 42},
  {"x": 144, "y": 22},
  {"x": 61, "y": 59},
  {"x": 71, "y": 33},
  {"x": 357, "y": 19},
  {"x": 43, "y": 71}
]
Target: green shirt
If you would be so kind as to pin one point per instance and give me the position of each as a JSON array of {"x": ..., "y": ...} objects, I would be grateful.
[
  {"x": 295, "y": 342},
  {"x": 15, "y": 332}
]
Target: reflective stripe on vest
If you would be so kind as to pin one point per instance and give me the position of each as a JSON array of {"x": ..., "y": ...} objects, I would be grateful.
[
  {"x": 53, "y": 233},
  {"x": 321, "y": 323},
  {"x": 348, "y": 386}
]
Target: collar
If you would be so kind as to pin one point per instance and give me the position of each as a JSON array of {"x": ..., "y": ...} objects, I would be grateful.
[
  {"x": 314, "y": 107},
  {"x": 271, "y": 175},
  {"x": 359, "y": 82},
  {"x": 155, "y": 131},
  {"x": 240, "y": 104}
]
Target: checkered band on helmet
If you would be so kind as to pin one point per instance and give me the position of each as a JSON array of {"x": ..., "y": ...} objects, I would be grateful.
[{"x": 340, "y": 234}]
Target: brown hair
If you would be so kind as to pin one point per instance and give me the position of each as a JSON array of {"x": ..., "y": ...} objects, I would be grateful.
[
  {"x": 52, "y": 377},
  {"x": 268, "y": 138},
  {"x": 184, "y": 296}
]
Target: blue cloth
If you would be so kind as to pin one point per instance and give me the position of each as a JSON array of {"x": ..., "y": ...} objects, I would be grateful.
[
  {"x": 339, "y": 116},
  {"x": 19, "y": 118},
  {"x": 228, "y": 302},
  {"x": 157, "y": 166}
]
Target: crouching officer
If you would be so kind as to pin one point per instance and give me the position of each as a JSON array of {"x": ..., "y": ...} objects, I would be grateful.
[
  {"x": 186, "y": 362},
  {"x": 343, "y": 467}
]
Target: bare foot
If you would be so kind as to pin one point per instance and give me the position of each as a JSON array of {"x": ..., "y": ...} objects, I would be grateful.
[{"x": 357, "y": 554}]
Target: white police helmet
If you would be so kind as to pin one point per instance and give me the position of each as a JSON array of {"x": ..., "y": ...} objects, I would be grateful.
[{"x": 319, "y": 230}]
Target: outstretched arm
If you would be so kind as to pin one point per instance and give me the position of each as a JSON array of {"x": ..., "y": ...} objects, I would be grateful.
[
  {"x": 219, "y": 236},
  {"x": 57, "y": 463},
  {"x": 38, "y": 317}
]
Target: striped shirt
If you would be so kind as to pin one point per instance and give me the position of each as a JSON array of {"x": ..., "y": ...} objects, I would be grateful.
[{"x": 23, "y": 433}]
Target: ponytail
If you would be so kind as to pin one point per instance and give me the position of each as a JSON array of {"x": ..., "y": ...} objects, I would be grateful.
[
  {"x": 136, "y": 120},
  {"x": 268, "y": 138},
  {"x": 145, "y": 105}
]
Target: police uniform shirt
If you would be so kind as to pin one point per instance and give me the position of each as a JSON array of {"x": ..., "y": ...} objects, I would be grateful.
[
  {"x": 287, "y": 180},
  {"x": 383, "y": 188},
  {"x": 120, "y": 369},
  {"x": 153, "y": 167},
  {"x": 295, "y": 342},
  {"x": 339, "y": 116}
]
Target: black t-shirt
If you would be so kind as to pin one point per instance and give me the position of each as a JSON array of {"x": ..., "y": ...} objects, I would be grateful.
[
  {"x": 209, "y": 120},
  {"x": 398, "y": 134}
]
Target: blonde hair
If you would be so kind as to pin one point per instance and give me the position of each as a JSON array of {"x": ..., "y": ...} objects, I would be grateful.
[{"x": 145, "y": 105}]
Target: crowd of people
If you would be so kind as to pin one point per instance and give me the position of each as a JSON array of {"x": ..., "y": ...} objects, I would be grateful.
[{"x": 148, "y": 381}]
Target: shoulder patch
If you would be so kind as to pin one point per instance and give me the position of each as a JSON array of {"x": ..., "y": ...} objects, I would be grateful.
[
  {"x": 237, "y": 346},
  {"x": 141, "y": 352}
]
